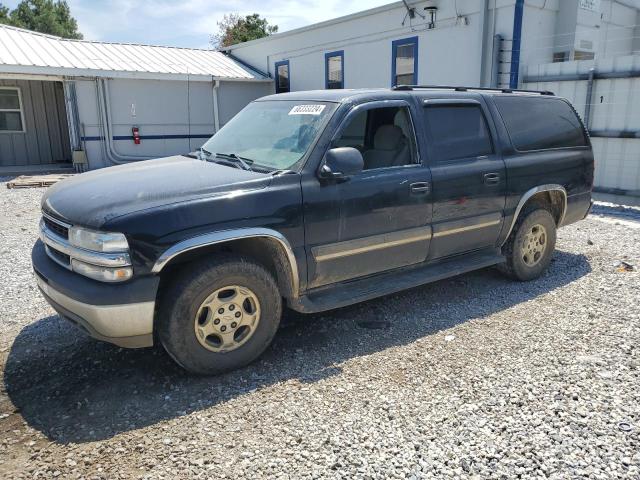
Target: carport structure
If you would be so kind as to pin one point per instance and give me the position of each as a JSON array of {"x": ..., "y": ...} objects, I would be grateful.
[{"x": 73, "y": 100}]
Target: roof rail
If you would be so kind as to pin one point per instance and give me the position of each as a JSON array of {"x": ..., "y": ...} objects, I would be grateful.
[{"x": 466, "y": 89}]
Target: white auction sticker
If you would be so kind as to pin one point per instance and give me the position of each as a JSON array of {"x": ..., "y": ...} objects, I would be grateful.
[{"x": 307, "y": 110}]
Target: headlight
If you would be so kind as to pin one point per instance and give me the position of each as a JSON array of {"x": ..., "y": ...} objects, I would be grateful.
[
  {"x": 102, "y": 274},
  {"x": 98, "y": 241}
]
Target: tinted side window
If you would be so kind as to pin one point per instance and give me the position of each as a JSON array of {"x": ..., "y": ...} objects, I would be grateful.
[
  {"x": 457, "y": 131},
  {"x": 536, "y": 123},
  {"x": 384, "y": 135}
]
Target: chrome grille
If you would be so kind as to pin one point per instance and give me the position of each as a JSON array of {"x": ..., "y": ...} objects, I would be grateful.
[
  {"x": 59, "y": 228},
  {"x": 59, "y": 257},
  {"x": 60, "y": 250}
]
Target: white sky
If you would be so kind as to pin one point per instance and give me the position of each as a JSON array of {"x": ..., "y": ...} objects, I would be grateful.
[{"x": 188, "y": 23}]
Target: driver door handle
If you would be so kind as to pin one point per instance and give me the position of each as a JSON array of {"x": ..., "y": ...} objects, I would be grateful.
[
  {"x": 420, "y": 187},
  {"x": 491, "y": 178}
]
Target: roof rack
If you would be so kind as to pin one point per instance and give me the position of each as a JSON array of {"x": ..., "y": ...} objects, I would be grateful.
[{"x": 466, "y": 89}]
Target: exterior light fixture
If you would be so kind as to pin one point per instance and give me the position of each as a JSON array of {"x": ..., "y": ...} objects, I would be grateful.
[{"x": 431, "y": 11}]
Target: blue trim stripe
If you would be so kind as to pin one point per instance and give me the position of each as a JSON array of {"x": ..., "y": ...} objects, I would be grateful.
[
  {"x": 327, "y": 56},
  {"x": 394, "y": 53},
  {"x": 518, "y": 13},
  {"x": 149, "y": 137}
]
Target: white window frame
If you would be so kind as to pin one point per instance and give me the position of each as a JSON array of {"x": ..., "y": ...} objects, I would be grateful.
[{"x": 21, "y": 110}]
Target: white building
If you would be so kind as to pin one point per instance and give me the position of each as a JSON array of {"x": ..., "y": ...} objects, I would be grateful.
[
  {"x": 177, "y": 97},
  {"x": 539, "y": 44},
  {"x": 72, "y": 99}
]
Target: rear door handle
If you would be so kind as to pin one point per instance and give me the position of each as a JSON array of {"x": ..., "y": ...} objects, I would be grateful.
[
  {"x": 491, "y": 178},
  {"x": 420, "y": 187}
]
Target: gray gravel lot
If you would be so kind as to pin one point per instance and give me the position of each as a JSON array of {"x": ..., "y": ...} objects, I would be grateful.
[{"x": 475, "y": 376}]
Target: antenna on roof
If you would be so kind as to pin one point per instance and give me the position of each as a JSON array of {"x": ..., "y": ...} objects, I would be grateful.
[{"x": 411, "y": 13}]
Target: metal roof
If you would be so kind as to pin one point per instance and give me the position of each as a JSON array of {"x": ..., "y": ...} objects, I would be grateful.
[{"x": 27, "y": 52}]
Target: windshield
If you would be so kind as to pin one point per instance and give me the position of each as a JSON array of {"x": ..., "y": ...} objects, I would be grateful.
[{"x": 273, "y": 134}]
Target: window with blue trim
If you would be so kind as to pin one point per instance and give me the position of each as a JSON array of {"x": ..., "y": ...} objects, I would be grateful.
[
  {"x": 282, "y": 76},
  {"x": 334, "y": 69},
  {"x": 404, "y": 61}
]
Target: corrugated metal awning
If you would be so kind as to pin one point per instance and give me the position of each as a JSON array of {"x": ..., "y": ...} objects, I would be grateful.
[{"x": 26, "y": 52}]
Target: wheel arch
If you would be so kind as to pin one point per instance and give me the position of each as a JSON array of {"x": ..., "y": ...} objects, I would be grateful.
[
  {"x": 553, "y": 195},
  {"x": 265, "y": 245}
]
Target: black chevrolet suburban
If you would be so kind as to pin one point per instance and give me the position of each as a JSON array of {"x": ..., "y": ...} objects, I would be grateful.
[{"x": 311, "y": 200}]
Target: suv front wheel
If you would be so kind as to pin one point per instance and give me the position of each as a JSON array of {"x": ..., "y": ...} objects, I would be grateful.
[
  {"x": 220, "y": 315},
  {"x": 530, "y": 246}
]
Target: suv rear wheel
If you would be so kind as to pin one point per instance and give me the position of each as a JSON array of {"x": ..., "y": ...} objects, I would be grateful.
[
  {"x": 530, "y": 246},
  {"x": 220, "y": 315}
]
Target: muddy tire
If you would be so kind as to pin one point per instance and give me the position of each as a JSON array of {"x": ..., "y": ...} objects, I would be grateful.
[
  {"x": 530, "y": 245},
  {"x": 219, "y": 314}
]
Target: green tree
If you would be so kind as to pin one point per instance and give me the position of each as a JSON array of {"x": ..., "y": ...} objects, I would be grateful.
[
  {"x": 44, "y": 16},
  {"x": 237, "y": 29},
  {"x": 4, "y": 14}
]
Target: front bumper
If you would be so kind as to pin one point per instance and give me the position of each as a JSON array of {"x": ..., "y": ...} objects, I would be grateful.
[{"x": 121, "y": 314}]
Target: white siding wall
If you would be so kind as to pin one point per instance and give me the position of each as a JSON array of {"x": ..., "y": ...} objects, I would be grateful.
[
  {"x": 616, "y": 35},
  {"x": 161, "y": 108},
  {"x": 450, "y": 53},
  {"x": 234, "y": 96},
  {"x": 616, "y": 106},
  {"x": 538, "y": 31}
]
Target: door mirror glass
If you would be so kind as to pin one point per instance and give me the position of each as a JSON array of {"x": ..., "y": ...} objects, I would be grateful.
[{"x": 341, "y": 163}]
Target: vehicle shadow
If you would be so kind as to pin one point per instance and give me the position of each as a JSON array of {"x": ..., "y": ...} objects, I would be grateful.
[{"x": 75, "y": 389}]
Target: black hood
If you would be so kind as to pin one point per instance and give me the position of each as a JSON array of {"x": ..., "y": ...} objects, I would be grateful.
[{"x": 93, "y": 198}]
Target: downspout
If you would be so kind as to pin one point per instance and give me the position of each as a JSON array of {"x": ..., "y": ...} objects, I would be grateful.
[
  {"x": 483, "y": 54},
  {"x": 78, "y": 154},
  {"x": 106, "y": 128},
  {"x": 589, "y": 101},
  {"x": 101, "y": 130},
  {"x": 105, "y": 133},
  {"x": 216, "y": 111},
  {"x": 495, "y": 64},
  {"x": 73, "y": 121},
  {"x": 116, "y": 157},
  {"x": 518, "y": 13}
]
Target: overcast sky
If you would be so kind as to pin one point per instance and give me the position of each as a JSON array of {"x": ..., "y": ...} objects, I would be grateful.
[{"x": 188, "y": 23}]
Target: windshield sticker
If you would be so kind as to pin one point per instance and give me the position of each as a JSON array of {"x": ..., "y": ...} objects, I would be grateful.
[{"x": 307, "y": 110}]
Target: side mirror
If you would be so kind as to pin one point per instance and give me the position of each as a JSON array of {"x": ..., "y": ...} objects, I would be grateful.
[{"x": 341, "y": 163}]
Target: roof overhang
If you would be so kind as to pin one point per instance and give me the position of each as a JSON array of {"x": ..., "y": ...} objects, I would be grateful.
[{"x": 11, "y": 71}]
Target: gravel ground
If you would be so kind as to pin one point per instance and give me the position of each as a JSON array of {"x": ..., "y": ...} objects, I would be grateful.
[{"x": 475, "y": 376}]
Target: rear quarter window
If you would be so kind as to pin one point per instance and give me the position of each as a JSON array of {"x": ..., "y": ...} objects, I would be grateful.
[
  {"x": 457, "y": 132},
  {"x": 539, "y": 123}
]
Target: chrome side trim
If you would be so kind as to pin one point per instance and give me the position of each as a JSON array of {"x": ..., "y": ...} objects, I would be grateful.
[
  {"x": 227, "y": 236},
  {"x": 51, "y": 240},
  {"x": 552, "y": 187},
  {"x": 369, "y": 244},
  {"x": 451, "y": 231}
]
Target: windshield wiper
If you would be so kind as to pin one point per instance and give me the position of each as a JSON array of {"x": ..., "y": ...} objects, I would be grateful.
[
  {"x": 281, "y": 172},
  {"x": 230, "y": 159},
  {"x": 242, "y": 162},
  {"x": 204, "y": 154}
]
